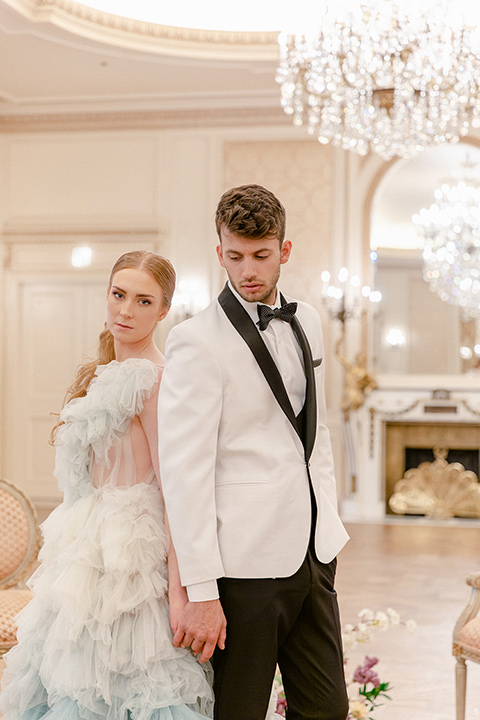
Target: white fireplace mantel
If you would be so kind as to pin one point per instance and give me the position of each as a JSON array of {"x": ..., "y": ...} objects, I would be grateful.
[{"x": 424, "y": 399}]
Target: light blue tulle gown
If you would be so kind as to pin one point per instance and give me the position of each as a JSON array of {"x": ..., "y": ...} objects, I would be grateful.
[{"x": 95, "y": 642}]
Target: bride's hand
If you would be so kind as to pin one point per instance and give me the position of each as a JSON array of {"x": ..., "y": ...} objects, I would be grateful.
[{"x": 177, "y": 600}]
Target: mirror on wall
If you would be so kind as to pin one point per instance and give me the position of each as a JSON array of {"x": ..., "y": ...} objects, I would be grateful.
[{"x": 415, "y": 331}]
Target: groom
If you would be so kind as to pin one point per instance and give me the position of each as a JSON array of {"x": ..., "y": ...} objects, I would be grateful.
[{"x": 247, "y": 475}]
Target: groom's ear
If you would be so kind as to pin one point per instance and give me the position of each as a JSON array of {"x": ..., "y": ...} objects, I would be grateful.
[
  {"x": 285, "y": 251},
  {"x": 220, "y": 255}
]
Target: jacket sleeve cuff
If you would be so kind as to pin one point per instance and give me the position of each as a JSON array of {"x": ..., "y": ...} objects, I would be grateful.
[{"x": 203, "y": 591}]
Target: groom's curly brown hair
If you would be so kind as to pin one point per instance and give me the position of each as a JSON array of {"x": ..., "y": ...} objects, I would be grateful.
[{"x": 251, "y": 211}]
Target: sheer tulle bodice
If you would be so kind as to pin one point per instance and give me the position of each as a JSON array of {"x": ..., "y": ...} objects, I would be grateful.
[
  {"x": 123, "y": 468},
  {"x": 119, "y": 413}
]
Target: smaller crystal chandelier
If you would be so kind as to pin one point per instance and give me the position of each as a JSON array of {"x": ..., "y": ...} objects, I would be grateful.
[
  {"x": 450, "y": 229},
  {"x": 383, "y": 75}
]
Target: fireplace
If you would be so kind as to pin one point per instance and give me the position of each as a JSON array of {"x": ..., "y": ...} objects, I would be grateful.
[
  {"x": 398, "y": 426},
  {"x": 407, "y": 444}
]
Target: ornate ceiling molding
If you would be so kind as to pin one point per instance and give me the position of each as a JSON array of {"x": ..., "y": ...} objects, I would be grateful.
[{"x": 144, "y": 36}]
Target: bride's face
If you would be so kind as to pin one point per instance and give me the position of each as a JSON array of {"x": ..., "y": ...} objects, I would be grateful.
[{"x": 134, "y": 306}]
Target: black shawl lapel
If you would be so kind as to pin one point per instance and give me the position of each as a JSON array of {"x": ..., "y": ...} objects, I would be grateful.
[
  {"x": 310, "y": 392},
  {"x": 244, "y": 325}
]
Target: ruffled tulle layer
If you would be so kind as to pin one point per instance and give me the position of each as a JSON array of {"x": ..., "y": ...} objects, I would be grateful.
[
  {"x": 93, "y": 423},
  {"x": 95, "y": 642},
  {"x": 69, "y": 710}
]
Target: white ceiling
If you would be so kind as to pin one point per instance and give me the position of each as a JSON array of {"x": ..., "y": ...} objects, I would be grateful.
[
  {"x": 253, "y": 15},
  {"x": 52, "y": 61},
  {"x": 61, "y": 65}
]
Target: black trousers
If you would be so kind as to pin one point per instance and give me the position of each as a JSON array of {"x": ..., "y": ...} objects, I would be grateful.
[{"x": 291, "y": 621}]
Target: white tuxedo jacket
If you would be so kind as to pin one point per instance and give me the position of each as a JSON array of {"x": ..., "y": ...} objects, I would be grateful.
[{"x": 233, "y": 467}]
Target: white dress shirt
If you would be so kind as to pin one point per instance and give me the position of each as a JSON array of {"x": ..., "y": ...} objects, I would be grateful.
[{"x": 283, "y": 346}]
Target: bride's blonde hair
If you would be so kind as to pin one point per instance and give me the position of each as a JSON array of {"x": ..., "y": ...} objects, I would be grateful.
[{"x": 163, "y": 273}]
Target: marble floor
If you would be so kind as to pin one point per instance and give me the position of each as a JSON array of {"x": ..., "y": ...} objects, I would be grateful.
[{"x": 418, "y": 568}]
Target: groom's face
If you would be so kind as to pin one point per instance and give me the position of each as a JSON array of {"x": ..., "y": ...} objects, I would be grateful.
[{"x": 253, "y": 264}]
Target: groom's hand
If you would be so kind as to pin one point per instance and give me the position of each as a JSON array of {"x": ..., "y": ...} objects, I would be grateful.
[{"x": 202, "y": 626}]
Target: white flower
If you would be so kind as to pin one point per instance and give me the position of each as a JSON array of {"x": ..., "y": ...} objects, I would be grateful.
[
  {"x": 349, "y": 635},
  {"x": 358, "y": 710},
  {"x": 381, "y": 621},
  {"x": 394, "y": 616},
  {"x": 369, "y": 622},
  {"x": 410, "y": 625},
  {"x": 364, "y": 632}
]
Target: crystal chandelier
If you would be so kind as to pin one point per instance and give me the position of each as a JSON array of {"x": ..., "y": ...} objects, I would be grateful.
[
  {"x": 376, "y": 75},
  {"x": 450, "y": 229}
]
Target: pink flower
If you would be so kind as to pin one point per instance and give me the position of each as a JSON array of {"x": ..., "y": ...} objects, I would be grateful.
[
  {"x": 281, "y": 705},
  {"x": 364, "y": 673}
]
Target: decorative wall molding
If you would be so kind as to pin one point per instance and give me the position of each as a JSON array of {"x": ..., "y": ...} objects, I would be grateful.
[
  {"x": 140, "y": 35},
  {"x": 150, "y": 120},
  {"x": 44, "y": 229}
]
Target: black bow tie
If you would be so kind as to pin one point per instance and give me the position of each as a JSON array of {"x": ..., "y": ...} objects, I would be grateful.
[{"x": 265, "y": 314}]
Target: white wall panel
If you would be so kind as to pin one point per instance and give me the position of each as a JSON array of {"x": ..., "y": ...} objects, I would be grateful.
[
  {"x": 50, "y": 325},
  {"x": 193, "y": 199},
  {"x": 50, "y": 317},
  {"x": 83, "y": 177}
]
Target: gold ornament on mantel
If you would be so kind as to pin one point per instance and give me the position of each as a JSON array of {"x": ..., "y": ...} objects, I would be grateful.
[
  {"x": 358, "y": 381},
  {"x": 439, "y": 490}
]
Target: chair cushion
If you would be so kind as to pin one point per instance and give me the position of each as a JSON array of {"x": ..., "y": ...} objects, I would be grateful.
[
  {"x": 11, "y": 602},
  {"x": 470, "y": 634}
]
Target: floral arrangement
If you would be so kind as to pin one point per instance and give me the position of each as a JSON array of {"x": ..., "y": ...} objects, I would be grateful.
[{"x": 365, "y": 690}]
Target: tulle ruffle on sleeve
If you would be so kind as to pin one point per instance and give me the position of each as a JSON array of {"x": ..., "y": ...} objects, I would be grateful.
[{"x": 94, "y": 422}]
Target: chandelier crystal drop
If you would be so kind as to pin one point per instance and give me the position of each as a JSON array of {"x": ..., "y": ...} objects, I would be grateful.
[
  {"x": 383, "y": 75},
  {"x": 450, "y": 229}
]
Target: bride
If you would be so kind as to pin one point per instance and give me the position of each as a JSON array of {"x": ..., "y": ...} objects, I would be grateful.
[{"x": 95, "y": 642}]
